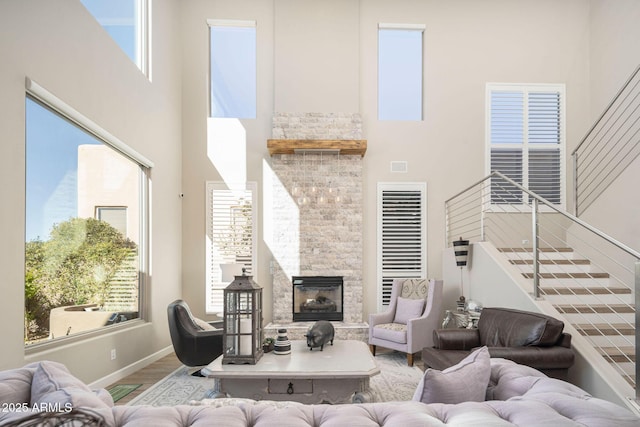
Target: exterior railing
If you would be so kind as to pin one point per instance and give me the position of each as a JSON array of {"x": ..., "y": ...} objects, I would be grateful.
[
  {"x": 609, "y": 147},
  {"x": 548, "y": 245}
]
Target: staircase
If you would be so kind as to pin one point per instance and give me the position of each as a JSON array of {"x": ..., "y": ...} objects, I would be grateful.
[{"x": 598, "y": 307}]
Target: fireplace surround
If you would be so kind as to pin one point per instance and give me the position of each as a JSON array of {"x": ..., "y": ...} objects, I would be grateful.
[{"x": 309, "y": 236}]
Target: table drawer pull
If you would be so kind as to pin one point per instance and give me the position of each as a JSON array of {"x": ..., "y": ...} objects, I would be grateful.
[{"x": 296, "y": 386}]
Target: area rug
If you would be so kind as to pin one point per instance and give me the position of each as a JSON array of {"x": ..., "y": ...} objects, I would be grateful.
[
  {"x": 396, "y": 382},
  {"x": 119, "y": 391}
]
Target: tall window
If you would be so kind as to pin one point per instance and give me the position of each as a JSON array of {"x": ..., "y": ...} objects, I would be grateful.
[
  {"x": 84, "y": 265},
  {"x": 233, "y": 69},
  {"x": 126, "y": 23},
  {"x": 231, "y": 237},
  {"x": 402, "y": 235},
  {"x": 400, "y": 72},
  {"x": 526, "y": 141}
]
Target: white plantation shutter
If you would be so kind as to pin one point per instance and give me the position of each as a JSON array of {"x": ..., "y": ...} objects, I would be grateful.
[
  {"x": 401, "y": 235},
  {"x": 526, "y": 141},
  {"x": 231, "y": 231},
  {"x": 545, "y": 142}
]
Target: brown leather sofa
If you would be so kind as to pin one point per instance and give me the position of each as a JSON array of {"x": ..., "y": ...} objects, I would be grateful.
[{"x": 527, "y": 338}]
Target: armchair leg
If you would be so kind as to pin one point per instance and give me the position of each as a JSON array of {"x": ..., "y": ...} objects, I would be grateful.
[
  {"x": 372, "y": 349},
  {"x": 410, "y": 359}
]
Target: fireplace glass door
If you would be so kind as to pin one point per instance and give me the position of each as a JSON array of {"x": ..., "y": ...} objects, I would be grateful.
[{"x": 317, "y": 298}]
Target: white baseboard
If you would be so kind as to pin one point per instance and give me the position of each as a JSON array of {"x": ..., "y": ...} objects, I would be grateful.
[{"x": 130, "y": 369}]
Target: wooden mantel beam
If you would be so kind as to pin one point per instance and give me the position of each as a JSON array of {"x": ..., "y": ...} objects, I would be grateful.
[{"x": 290, "y": 146}]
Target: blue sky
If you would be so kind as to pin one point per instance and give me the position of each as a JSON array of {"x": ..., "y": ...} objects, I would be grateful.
[
  {"x": 52, "y": 164},
  {"x": 118, "y": 18}
]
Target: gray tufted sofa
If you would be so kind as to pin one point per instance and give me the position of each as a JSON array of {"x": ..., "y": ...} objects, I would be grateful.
[{"x": 517, "y": 395}]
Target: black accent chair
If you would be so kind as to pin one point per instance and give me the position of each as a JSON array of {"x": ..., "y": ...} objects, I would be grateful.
[
  {"x": 193, "y": 345},
  {"x": 527, "y": 338}
]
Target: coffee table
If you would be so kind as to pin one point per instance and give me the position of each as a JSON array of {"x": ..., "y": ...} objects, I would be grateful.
[{"x": 339, "y": 373}]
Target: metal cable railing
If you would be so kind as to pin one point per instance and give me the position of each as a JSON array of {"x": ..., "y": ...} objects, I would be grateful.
[
  {"x": 588, "y": 276},
  {"x": 609, "y": 147}
]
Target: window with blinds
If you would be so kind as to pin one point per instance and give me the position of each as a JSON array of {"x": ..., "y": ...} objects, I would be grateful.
[
  {"x": 231, "y": 243},
  {"x": 401, "y": 235},
  {"x": 526, "y": 141}
]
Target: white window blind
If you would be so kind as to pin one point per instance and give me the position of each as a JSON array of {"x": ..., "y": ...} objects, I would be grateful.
[
  {"x": 231, "y": 231},
  {"x": 526, "y": 141},
  {"x": 401, "y": 235}
]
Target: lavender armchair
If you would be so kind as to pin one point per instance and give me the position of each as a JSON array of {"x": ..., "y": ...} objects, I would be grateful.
[{"x": 414, "y": 313}]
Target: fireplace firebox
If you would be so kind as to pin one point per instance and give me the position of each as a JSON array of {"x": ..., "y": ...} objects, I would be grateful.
[{"x": 317, "y": 298}]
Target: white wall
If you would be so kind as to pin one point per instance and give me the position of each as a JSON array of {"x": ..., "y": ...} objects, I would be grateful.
[
  {"x": 467, "y": 44},
  {"x": 61, "y": 47},
  {"x": 614, "y": 57},
  {"x": 241, "y": 157}
]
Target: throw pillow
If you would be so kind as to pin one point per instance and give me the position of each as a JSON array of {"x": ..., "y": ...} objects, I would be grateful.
[
  {"x": 203, "y": 325},
  {"x": 53, "y": 386},
  {"x": 465, "y": 382},
  {"x": 407, "y": 308}
]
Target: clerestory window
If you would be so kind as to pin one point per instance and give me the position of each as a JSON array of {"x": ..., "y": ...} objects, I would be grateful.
[
  {"x": 233, "y": 69},
  {"x": 400, "y": 71},
  {"x": 126, "y": 22}
]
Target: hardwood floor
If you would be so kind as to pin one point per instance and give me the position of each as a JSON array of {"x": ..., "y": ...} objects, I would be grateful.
[{"x": 148, "y": 376}]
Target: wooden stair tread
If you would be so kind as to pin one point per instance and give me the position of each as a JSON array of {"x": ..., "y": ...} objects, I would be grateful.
[
  {"x": 596, "y": 308},
  {"x": 605, "y": 329},
  {"x": 531, "y": 249},
  {"x": 618, "y": 354},
  {"x": 600, "y": 290},
  {"x": 568, "y": 275},
  {"x": 551, "y": 261}
]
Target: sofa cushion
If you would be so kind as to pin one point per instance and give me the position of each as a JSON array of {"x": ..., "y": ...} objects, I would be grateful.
[
  {"x": 15, "y": 385},
  {"x": 466, "y": 381},
  {"x": 395, "y": 332},
  {"x": 503, "y": 327},
  {"x": 407, "y": 308}
]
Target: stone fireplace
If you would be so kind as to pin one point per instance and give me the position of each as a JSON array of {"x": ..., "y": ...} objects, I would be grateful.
[{"x": 315, "y": 204}]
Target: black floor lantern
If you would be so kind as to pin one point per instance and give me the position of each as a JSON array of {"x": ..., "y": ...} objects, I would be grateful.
[
  {"x": 242, "y": 341},
  {"x": 461, "y": 252}
]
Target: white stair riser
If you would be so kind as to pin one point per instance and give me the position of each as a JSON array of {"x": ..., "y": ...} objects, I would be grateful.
[
  {"x": 627, "y": 368},
  {"x": 555, "y": 268},
  {"x": 612, "y": 340},
  {"x": 590, "y": 299},
  {"x": 542, "y": 255},
  {"x": 574, "y": 283},
  {"x": 600, "y": 318}
]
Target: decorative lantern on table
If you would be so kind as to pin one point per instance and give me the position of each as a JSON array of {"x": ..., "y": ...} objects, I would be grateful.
[{"x": 242, "y": 337}]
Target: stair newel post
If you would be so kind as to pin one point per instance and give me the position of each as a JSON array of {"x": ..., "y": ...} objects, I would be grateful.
[
  {"x": 637, "y": 300},
  {"x": 536, "y": 264}
]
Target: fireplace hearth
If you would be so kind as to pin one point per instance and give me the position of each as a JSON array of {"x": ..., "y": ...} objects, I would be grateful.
[{"x": 317, "y": 298}]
